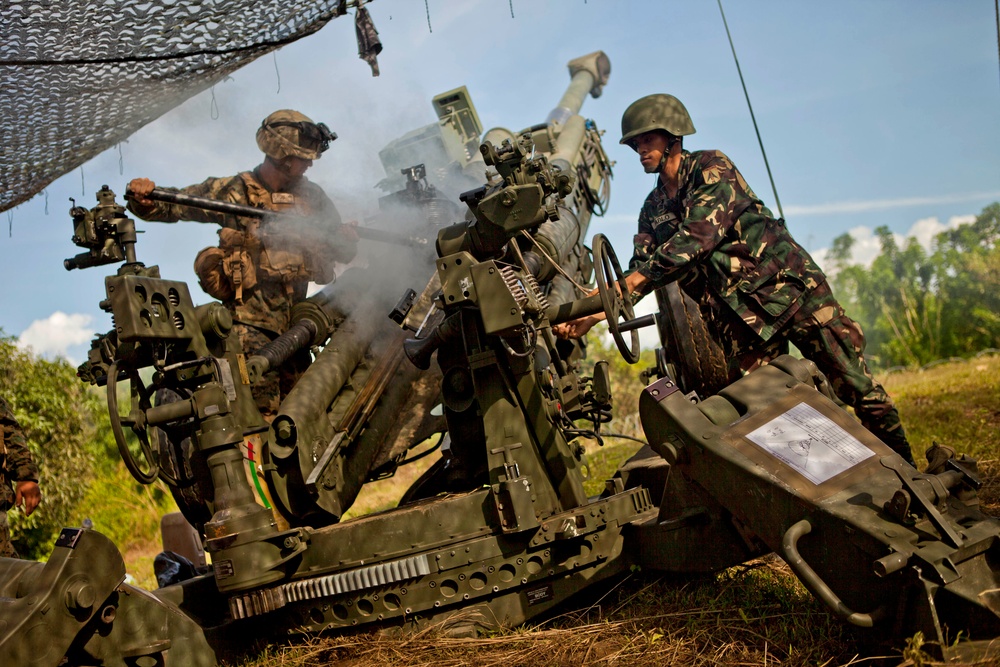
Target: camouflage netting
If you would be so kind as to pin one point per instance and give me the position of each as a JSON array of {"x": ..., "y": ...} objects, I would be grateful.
[{"x": 79, "y": 76}]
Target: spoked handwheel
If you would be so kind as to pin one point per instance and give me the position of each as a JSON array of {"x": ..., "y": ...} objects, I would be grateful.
[
  {"x": 135, "y": 420},
  {"x": 615, "y": 297}
]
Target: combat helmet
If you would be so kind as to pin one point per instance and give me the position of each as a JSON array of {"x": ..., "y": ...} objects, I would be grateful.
[
  {"x": 656, "y": 112},
  {"x": 287, "y": 132}
]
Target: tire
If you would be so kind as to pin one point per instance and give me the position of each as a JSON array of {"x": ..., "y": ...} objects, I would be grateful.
[{"x": 688, "y": 347}]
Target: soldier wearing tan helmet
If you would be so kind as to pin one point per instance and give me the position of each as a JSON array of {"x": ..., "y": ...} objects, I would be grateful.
[
  {"x": 758, "y": 289},
  {"x": 261, "y": 269}
]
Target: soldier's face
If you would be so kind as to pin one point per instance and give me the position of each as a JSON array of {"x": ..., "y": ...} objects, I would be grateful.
[
  {"x": 651, "y": 147},
  {"x": 295, "y": 167}
]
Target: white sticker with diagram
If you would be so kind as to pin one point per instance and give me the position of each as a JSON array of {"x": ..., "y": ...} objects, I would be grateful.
[{"x": 811, "y": 443}]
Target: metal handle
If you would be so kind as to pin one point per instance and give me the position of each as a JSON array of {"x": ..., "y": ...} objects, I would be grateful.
[
  {"x": 818, "y": 587},
  {"x": 638, "y": 323}
]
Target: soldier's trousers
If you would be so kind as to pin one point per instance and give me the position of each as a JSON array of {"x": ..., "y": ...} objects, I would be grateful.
[
  {"x": 6, "y": 545},
  {"x": 835, "y": 343},
  {"x": 275, "y": 384}
]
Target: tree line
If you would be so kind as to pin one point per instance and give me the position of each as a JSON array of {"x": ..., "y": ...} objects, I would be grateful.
[{"x": 916, "y": 306}]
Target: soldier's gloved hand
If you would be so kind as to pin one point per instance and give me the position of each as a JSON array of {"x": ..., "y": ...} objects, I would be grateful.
[
  {"x": 138, "y": 190},
  {"x": 28, "y": 494}
]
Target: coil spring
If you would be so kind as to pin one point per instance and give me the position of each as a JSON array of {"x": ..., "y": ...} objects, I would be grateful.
[{"x": 515, "y": 286}]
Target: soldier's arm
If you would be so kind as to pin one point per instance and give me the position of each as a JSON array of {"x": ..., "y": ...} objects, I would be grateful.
[
  {"x": 18, "y": 463},
  {"x": 155, "y": 211},
  {"x": 643, "y": 246},
  {"x": 342, "y": 240},
  {"x": 711, "y": 212}
]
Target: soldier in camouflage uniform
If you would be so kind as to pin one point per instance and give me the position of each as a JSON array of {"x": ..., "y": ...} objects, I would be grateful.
[
  {"x": 703, "y": 226},
  {"x": 261, "y": 268},
  {"x": 18, "y": 476}
]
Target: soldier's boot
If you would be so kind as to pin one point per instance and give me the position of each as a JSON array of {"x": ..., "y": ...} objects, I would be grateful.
[
  {"x": 937, "y": 455},
  {"x": 896, "y": 439}
]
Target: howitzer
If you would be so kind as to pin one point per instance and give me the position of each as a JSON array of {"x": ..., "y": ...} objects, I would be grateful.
[
  {"x": 514, "y": 548},
  {"x": 501, "y": 524}
]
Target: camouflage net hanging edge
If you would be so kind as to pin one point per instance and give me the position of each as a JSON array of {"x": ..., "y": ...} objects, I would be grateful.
[{"x": 78, "y": 77}]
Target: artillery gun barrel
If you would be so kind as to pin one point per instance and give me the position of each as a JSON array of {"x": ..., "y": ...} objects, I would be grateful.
[
  {"x": 589, "y": 74},
  {"x": 317, "y": 388},
  {"x": 367, "y": 233}
]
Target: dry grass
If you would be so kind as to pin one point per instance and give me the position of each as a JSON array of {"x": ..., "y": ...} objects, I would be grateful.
[{"x": 641, "y": 621}]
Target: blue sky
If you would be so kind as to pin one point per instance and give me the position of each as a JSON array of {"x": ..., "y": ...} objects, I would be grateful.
[{"x": 872, "y": 113}]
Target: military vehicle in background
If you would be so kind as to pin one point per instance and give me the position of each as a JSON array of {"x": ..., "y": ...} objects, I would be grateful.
[{"x": 500, "y": 529}]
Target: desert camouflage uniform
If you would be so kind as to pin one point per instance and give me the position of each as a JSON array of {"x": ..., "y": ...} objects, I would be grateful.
[
  {"x": 16, "y": 465},
  {"x": 263, "y": 311},
  {"x": 756, "y": 286}
]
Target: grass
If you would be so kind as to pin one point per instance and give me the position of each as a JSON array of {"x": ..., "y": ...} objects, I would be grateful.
[
  {"x": 755, "y": 614},
  {"x": 955, "y": 403}
]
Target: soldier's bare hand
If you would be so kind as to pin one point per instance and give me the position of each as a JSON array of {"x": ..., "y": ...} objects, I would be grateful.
[
  {"x": 27, "y": 494},
  {"x": 349, "y": 230},
  {"x": 576, "y": 328},
  {"x": 138, "y": 189}
]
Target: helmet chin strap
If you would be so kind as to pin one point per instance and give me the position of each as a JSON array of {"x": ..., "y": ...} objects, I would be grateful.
[{"x": 666, "y": 154}]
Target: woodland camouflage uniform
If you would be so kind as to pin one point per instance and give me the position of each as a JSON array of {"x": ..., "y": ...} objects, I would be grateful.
[
  {"x": 756, "y": 286},
  {"x": 16, "y": 465},
  {"x": 270, "y": 265}
]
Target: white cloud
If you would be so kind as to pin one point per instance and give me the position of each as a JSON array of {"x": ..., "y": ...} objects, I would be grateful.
[
  {"x": 926, "y": 230},
  {"x": 52, "y": 337},
  {"x": 884, "y": 204},
  {"x": 867, "y": 245}
]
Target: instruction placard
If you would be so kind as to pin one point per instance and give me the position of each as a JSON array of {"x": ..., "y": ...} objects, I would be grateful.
[{"x": 811, "y": 443}]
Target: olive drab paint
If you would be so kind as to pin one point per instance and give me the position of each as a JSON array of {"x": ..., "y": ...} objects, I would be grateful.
[{"x": 501, "y": 524}]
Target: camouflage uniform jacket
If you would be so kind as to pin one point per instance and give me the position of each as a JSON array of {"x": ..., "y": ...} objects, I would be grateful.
[
  {"x": 306, "y": 255},
  {"x": 720, "y": 241},
  {"x": 16, "y": 464}
]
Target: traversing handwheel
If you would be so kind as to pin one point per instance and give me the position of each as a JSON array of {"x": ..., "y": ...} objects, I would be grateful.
[
  {"x": 135, "y": 420},
  {"x": 614, "y": 297}
]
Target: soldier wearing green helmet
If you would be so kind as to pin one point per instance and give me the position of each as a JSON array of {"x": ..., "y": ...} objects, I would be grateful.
[
  {"x": 757, "y": 288},
  {"x": 262, "y": 268}
]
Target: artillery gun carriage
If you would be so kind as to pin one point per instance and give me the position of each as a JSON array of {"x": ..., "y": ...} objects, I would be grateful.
[{"x": 500, "y": 529}]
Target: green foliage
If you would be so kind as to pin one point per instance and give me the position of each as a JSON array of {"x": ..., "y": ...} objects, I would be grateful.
[
  {"x": 81, "y": 475},
  {"x": 917, "y": 307},
  {"x": 626, "y": 381},
  {"x": 65, "y": 424},
  {"x": 123, "y": 509}
]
